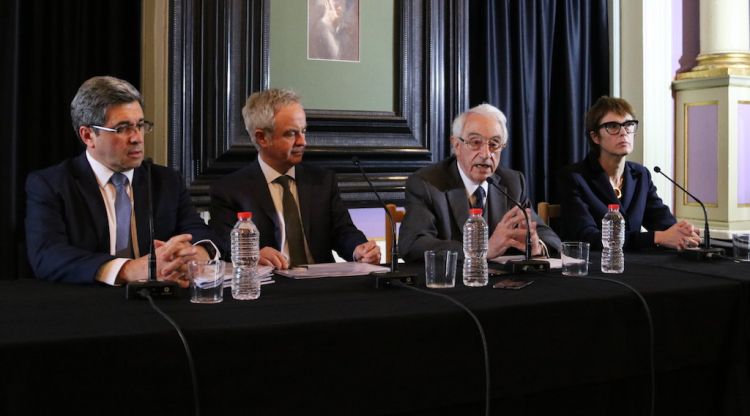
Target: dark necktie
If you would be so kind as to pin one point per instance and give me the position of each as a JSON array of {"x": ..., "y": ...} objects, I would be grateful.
[
  {"x": 293, "y": 225},
  {"x": 122, "y": 213},
  {"x": 478, "y": 198}
]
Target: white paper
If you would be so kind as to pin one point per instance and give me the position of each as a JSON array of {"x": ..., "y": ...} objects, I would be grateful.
[
  {"x": 553, "y": 262},
  {"x": 265, "y": 273},
  {"x": 312, "y": 271}
]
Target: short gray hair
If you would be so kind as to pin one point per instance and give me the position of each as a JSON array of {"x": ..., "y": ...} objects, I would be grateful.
[
  {"x": 486, "y": 110},
  {"x": 96, "y": 95},
  {"x": 261, "y": 106}
]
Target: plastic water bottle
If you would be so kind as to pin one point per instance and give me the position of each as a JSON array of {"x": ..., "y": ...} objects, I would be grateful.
[
  {"x": 613, "y": 238},
  {"x": 245, "y": 254},
  {"x": 475, "y": 249}
]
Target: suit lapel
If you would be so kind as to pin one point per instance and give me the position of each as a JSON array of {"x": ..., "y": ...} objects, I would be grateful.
[
  {"x": 140, "y": 204},
  {"x": 497, "y": 203},
  {"x": 630, "y": 181},
  {"x": 92, "y": 198},
  {"x": 456, "y": 195},
  {"x": 304, "y": 193}
]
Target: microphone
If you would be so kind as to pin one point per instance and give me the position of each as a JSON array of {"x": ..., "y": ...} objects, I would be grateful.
[
  {"x": 384, "y": 279},
  {"x": 150, "y": 286},
  {"x": 698, "y": 253},
  {"x": 151, "y": 233},
  {"x": 528, "y": 264}
]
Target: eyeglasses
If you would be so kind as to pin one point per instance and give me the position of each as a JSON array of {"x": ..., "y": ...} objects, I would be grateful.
[
  {"x": 144, "y": 127},
  {"x": 476, "y": 141},
  {"x": 613, "y": 127}
]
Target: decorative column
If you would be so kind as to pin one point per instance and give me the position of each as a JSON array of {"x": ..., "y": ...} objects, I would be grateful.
[{"x": 712, "y": 116}]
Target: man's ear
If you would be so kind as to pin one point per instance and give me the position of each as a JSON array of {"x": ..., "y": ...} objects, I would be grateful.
[
  {"x": 260, "y": 137},
  {"x": 86, "y": 134},
  {"x": 454, "y": 144}
]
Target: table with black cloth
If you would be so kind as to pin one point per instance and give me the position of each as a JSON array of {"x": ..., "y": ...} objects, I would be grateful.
[{"x": 336, "y": 346}]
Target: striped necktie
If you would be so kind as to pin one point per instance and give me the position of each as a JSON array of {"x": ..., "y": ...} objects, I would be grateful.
[{"x": 293, "y": 225}]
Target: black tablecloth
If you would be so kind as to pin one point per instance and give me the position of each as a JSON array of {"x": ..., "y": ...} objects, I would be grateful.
[{"x": 337, "y": 346}]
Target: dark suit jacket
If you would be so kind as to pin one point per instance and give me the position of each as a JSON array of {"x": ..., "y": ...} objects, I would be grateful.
[
  {"x": 326, "y": 221},
  {"x": 585, "y": 192},
  {"x": 437, "y": 208},
  {"x": 67, "y": 232}
]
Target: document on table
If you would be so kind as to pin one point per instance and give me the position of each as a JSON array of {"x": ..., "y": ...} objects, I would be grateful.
[
  {"x": 265, "y": 273},
  {"x": 553, "y": 262},
  {"x": 312, "y": 271}
]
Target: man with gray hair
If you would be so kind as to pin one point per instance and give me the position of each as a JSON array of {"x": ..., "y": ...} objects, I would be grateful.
[
  {"x": 296, "y": 207},
  {"x": 87, "y": 218},
  {"x": 438, "y": 197}
]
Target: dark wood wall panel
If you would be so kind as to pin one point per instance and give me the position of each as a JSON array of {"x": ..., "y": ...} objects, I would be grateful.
[{"x": 219, "y": 54}]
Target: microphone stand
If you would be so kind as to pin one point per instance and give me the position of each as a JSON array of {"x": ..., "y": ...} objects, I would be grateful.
[
  {"x": 528, "y": 264},
  {"x": 383, "y": 279},
  {"x": 150, "y": 286},
  {"x": 706, "y": 251}
]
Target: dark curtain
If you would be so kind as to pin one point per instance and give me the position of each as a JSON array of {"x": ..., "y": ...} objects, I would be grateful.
[
  {"x": 543, "y": 63},
  {"x": 49, "y": 48}
]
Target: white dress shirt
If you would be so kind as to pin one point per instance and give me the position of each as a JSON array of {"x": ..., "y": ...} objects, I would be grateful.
[{"x": 277, "y": 195}]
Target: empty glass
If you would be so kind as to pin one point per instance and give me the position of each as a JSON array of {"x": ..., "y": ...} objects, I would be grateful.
[
  {"x": 206, "y": 281},
  {"x": 575, "y": 258},
  {"x": 440, "y": 268}
]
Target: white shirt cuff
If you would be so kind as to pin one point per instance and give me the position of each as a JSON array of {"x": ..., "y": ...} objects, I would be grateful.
[{"x": 107, "y": 274}]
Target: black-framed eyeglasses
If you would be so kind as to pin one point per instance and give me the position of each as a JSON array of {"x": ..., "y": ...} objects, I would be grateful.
[
  {"x": 144, "y": 127},
  {"x": 476, "y": 141},
  {"x": 613, "y": 127}
]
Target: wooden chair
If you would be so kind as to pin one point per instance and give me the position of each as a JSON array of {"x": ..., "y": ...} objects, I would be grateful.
[
  {"x": 547, "y": 211},
  {"x": 398, "y": 216}
]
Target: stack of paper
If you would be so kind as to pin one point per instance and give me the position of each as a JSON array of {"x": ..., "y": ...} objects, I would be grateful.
[
  {"x": 265, "y": 273},
  {"x": 312, "y": 271}
]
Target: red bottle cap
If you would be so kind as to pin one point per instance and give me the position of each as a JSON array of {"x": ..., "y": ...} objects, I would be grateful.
[
  {"x": 613, "y": 206},
  {"x": 244, "y": 215},
  {"x": 475, "y": 211}
]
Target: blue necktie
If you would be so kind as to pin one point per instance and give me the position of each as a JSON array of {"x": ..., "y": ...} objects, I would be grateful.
[
  {"x": 478, "y": 198},
  {"x": 122, "y": 213}
]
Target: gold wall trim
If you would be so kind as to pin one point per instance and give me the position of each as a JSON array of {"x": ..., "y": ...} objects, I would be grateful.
[
  {"x": 155, "y": 75},
  {"x": 714, "y": 73},
  {"x": 719, "y": 65},
  {"x": 685, "y": 150}
]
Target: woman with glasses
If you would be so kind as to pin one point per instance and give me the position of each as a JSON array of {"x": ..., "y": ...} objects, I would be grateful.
[{"x": 606, "y": 177}]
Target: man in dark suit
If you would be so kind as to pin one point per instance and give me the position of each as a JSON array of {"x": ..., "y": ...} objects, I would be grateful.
[
  {"x": 438, "y": 197},
  {"x": 84, "y": 214},
  {"x": 606, "y": 177},
  {"x": 296, "y": 207}
]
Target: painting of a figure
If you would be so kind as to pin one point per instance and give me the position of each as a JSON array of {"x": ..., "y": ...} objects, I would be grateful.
[{"x": 333, "y": 30}]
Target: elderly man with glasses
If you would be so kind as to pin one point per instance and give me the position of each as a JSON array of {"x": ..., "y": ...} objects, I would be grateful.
[
  {"x": 87, "y": 218},
  {"x": 438, "y": 197},
  {"x": 606, "y": 177}
]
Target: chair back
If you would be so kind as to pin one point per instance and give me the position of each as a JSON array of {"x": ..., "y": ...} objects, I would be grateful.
[
  {"x": 547, "y": 212},
  {"x": 398, "y": 216}
]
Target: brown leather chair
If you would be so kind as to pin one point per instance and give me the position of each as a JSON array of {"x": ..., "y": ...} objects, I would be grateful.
[
  {"x": 398, "y": 216},
  {"x": 547, "y": 211}
]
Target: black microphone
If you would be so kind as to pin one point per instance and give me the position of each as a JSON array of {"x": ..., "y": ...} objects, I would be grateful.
[
  {"x": 697, "y": 253},
  {"x": 528, "y": 264},
  {"x": 152, "y": 258},
  {"x": 384, "y": 279},
  {"x": 150, "y": 286}
]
